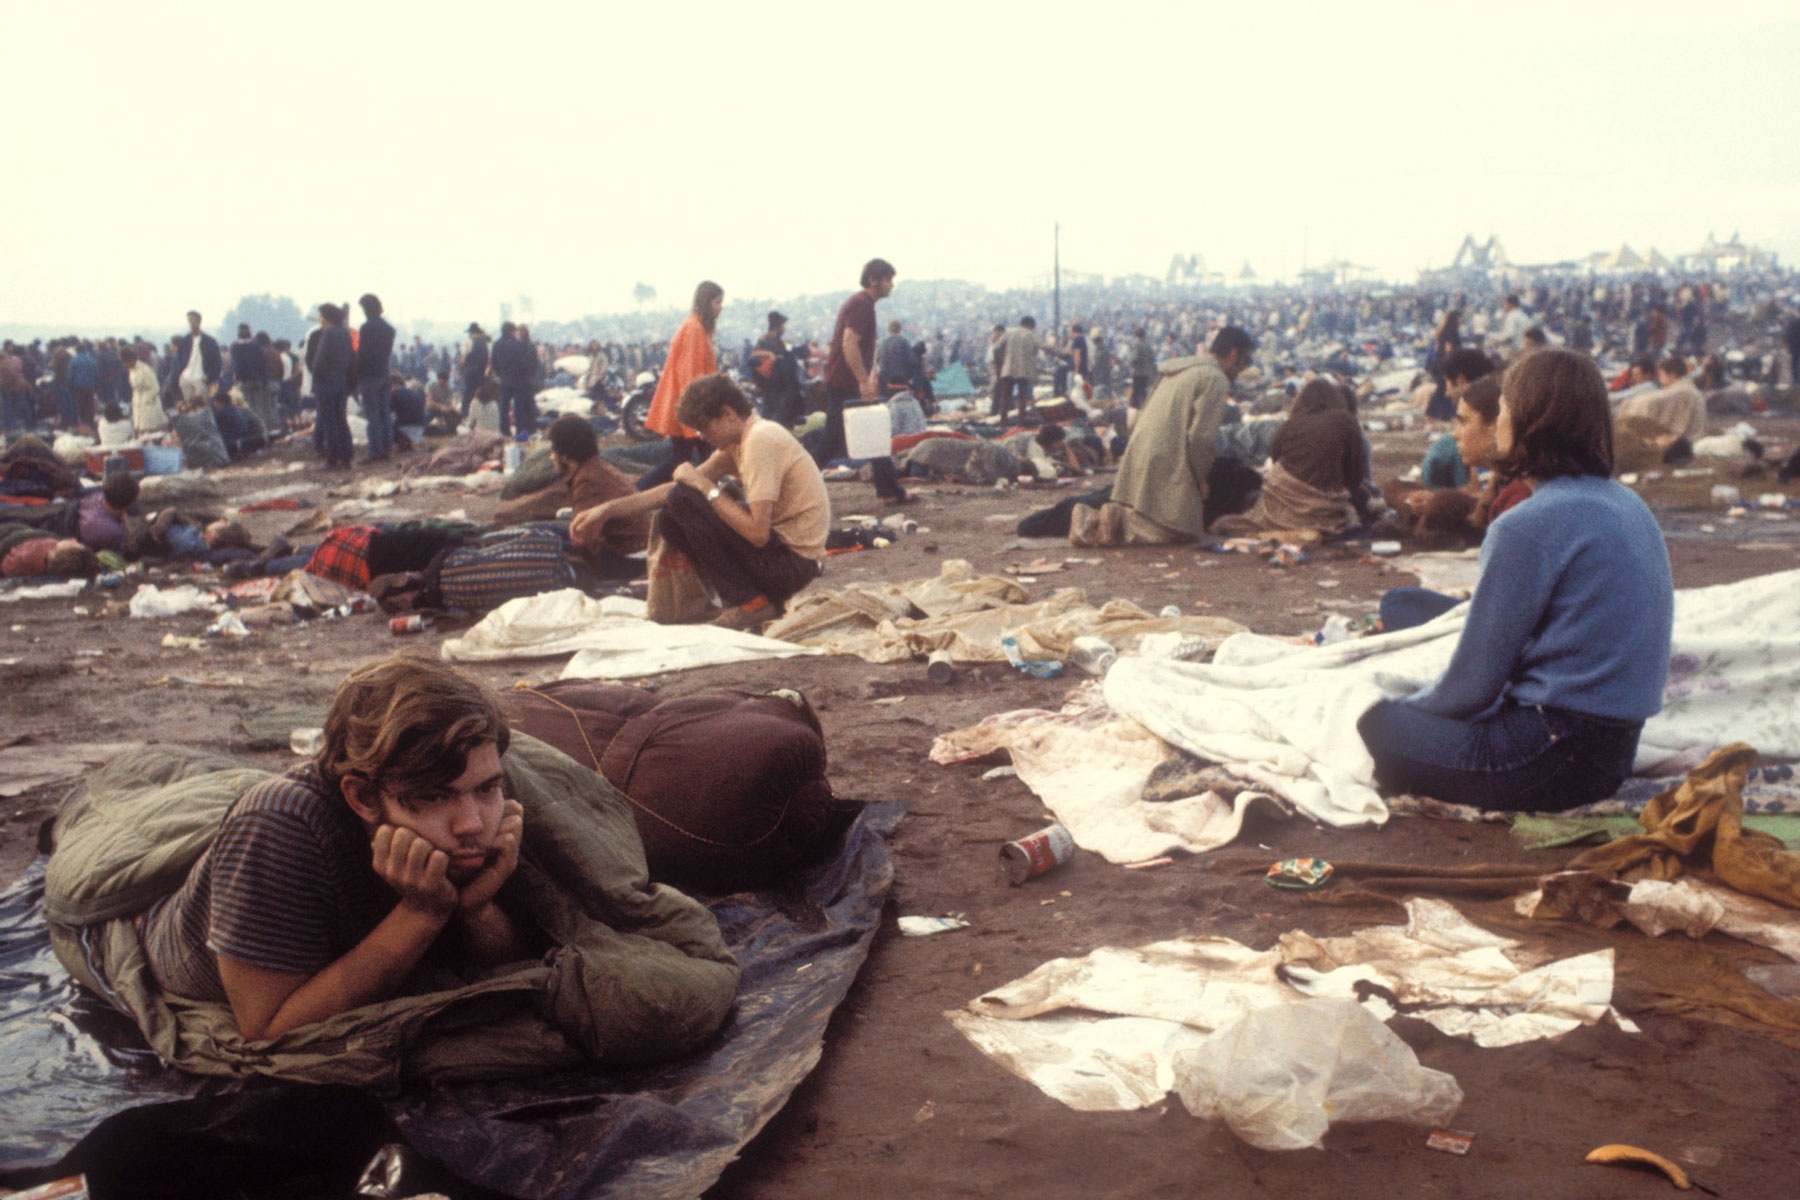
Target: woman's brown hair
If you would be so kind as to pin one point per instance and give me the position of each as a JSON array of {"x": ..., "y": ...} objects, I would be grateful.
[
  {"x": 1561, "y": 418},
  {"x": 704, "y": 295},
  {"x": 407, "y": 724},
  {"x": 1484, "y": 397}
]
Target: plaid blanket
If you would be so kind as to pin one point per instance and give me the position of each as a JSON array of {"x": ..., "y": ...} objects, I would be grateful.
[{"x": 343, "y": 557}]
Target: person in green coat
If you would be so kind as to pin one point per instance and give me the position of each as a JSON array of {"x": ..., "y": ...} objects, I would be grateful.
[{"x": 1159, "y": 494}]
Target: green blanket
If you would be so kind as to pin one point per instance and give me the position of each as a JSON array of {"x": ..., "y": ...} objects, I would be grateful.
[{"x": 639, "y": 971}]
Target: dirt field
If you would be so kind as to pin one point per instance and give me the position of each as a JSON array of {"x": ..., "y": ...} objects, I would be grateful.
[{"x": 901, "y": 1104}]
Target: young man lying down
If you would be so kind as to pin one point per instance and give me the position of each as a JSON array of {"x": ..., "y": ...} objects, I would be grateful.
[
  {"x": 325, "y": 887},
  {"x": 365, "y": 893}
]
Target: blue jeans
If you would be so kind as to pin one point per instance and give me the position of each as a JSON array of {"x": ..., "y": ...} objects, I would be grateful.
[
  {"x": 1409, "y": 607},
  {"x": 19, "y": 411},
  {"x": 521, "y": 412},
  {"x": 1516, "y": 758},
  {"x": 331, "y": 428},
  {"x": 378, "y": 410}
]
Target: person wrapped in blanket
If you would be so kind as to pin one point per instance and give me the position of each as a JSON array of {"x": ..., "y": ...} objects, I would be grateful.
[
  {"x": 1565, "y": 649},
  {"x": 326, "y": 888},
  {"x": 1318, "y": 461}
]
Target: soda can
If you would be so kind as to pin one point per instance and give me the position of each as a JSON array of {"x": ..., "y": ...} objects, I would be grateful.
[
  {"x": 361, "y": 604},
  {"x": 939, "y": 669},
  {"x": 412, "y": 623},
  {"x": 1032, "y": 856}
]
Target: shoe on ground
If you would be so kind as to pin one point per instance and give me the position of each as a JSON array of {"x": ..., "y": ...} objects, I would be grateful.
[{"x": 750, "y": 619}]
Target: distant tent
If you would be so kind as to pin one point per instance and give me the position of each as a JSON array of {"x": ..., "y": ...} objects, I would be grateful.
[
  {"x": 953, "y": 380},
  {"x": 1623, "y": 259},
  {"x": 1657, "y": 262}
]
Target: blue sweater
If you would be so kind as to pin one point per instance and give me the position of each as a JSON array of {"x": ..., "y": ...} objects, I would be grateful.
[{"x": 1574, "y": 609}]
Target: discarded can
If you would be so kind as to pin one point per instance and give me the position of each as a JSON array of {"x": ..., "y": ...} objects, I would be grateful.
[
  {"x": 361, "y": 604},
  {"x": 900, "y": 524},
  {"x": 306, "y": 742},
  {"x": 109, "y": 579},
  {"x": 1032, "y": 856},
  {"x": 1169, "y": 610},
  {"x": 1384, "y": 548},
  {"x": 413, "y": 623},
  {"x": 939, "y": 669},
  {"x": 1095, "y": 655},
  {"x": 1724, "y": 493},
  {"x": 1772, "y": 500}
]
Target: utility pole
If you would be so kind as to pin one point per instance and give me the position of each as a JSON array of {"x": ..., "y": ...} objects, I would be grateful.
[{"x": 1056, "y": 284}]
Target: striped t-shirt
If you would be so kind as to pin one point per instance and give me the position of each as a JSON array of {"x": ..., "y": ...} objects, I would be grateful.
[{"x": 287, "y": 885}]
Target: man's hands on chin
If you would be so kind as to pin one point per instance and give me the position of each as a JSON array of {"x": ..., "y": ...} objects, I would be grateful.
[
  {"x": 419, "y": 871},
  {"x": 415, "y": 869}
]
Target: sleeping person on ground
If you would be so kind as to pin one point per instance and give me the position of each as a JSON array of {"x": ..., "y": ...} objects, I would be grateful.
[{"x": 1565, "y": 650}]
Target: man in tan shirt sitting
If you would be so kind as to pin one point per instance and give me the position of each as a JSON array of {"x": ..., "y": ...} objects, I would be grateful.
[{"x": 754, "y": 552}]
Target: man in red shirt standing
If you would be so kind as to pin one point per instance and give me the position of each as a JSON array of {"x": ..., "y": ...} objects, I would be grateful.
[{"x": 850, "y": 376}]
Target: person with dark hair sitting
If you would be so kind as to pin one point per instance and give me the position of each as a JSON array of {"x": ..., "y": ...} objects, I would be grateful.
[
  {"x": 753, "y": 552},
  {"x": 1565, "y": 649},
  {"x": 586, "y": 481},
  {"x": 239, "y": 428}
]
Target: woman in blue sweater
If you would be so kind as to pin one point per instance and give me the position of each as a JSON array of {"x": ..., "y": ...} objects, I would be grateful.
[{"x": 1566, "y": 646}]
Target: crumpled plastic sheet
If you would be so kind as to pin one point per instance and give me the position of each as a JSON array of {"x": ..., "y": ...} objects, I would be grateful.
[
  {"x": 967, "y": 616},
  {"x": 610, "y": 638},
  {"x": 152, "y": 601},
  {"x": 1089, "y": 767},
  {"x": 1139, "y": 1007},
  {"x": 44, "y": 591},
  {"x": 67, "y": 1060},
  {"x": 1286, "y": 715}
]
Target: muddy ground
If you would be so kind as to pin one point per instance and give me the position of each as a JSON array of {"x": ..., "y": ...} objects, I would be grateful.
[{"x": 901, "y": 1104}]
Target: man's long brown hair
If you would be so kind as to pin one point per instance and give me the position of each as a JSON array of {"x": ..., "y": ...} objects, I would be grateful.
[{"x": 407, "y": 725}]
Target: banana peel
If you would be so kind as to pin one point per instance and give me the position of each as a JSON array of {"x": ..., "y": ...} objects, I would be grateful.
[{"x": 1618, "y": 1155}]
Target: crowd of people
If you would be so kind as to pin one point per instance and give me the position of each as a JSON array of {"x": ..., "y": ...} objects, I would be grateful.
[{"x": 399, "y": 843}]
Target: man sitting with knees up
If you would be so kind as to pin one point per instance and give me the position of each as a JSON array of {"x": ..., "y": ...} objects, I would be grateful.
[{"x": 752, "y": 552}]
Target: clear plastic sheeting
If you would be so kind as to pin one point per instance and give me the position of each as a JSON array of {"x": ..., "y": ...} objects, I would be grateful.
[
  {"x": 68, "y": 1061},
  {"x": 1102, "y": 1032},
  {"x": 1280, "y": 1077}
]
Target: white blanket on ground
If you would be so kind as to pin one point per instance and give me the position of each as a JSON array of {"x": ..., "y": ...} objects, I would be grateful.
[
  {"x": 1285, "y": 715},
  {"x": 1159, "y": 999},
  {"x": 610, "y": 638}
]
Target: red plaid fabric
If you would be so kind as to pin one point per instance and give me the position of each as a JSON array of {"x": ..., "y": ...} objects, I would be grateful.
[{"x": 343, "y": 557}]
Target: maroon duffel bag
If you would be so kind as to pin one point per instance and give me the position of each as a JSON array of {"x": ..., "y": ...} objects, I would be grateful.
[{"x": 728, "y": 788}]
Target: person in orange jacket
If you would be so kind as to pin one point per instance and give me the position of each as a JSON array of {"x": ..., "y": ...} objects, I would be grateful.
[{"x": 690, "y": 357}]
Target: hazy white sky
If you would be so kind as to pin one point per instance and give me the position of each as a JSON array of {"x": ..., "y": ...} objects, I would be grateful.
[{"x": 162, "y": 157}]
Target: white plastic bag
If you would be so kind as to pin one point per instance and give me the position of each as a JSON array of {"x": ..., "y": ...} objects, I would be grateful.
[
  {"x": 151, "y": 601},
  {"x": 1281, "y": 1075}
]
